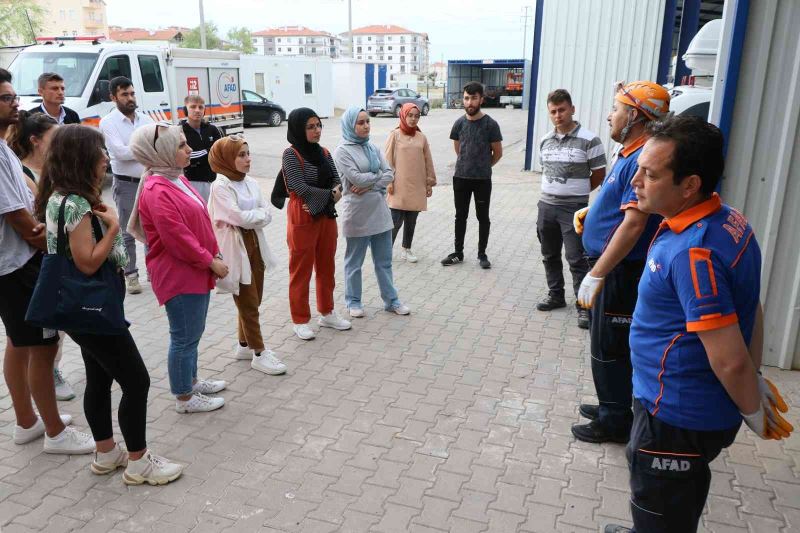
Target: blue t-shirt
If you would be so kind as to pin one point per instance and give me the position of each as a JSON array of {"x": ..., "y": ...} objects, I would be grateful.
[
  {"x": 608, "y": 210},
  {"x": 703, "y": 272}
]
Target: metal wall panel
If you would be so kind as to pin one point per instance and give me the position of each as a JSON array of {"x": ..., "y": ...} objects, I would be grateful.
[
  {"x": 763, "y": 166},
  {"x": 587, "y": 45}
]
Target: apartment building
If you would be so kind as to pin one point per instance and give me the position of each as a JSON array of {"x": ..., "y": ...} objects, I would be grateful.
[
  {"x": 402, "y": 50},
  {"x": 70, "y": 18},
  {"x": 296, "y": 41},
  {"x": 165, "y": 37}
]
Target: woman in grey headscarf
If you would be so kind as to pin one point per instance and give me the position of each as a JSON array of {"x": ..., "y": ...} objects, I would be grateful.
[{"x": 183, "y": 257}]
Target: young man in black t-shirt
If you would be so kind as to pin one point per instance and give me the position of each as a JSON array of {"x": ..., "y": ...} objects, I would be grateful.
[
  {"x": 478, "y": 144},
  {"x": 200, "y": 136}
]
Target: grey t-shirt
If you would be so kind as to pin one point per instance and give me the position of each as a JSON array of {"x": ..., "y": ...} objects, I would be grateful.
[
  {"x": 14, "y": 195},
  {"x": 475, "y": 138}
]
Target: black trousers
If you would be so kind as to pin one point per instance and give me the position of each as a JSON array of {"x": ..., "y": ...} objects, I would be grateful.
[
  {"x": 408, "y": 221},
  {"x": 669, "y": 470},
  {"x": 110, "y": 358},
  {"x": 463, "y": 190},
  {"x": 610, "y": 326},
  {"x": 554, "y": 228}
]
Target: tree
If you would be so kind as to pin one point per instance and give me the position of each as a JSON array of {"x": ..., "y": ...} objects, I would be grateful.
[
  {"x": 20, "y": 21},
  {"x": 213, "y": 41},
  {"x": 241, "y": 39}
]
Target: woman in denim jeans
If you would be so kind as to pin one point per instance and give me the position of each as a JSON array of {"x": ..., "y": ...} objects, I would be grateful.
[
  {"x": 366, "y": 220},
  {"x": 183, "y": 257}
]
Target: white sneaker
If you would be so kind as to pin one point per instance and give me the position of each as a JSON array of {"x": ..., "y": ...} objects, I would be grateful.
[
  {"x": 400, "y": 309},
  {"x": 24, "y": 435},
  {"x": 199, "y": 403},
  {"x": 304, "y": 332},
  {"x": 410, "y": 257},
  {"x": 108, "y": 462},
  {"x": 132, "y": 283},
  {"x": 333, "y": 320},
  {"x": 63, "y": 389},
  {"x": 242, "y": 352},
  {"x": 151, "y": 469},
  {"x": 69, "y": 442},
  {"x": 357, "y": 312},
  {"x": 208, "y": 386},
  {"x": 268, "y": 363}
]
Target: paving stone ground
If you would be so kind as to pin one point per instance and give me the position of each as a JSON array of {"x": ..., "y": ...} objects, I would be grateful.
[{"x": 455, "y": 418}]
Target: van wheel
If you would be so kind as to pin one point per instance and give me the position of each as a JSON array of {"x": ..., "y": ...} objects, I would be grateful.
[
  {"x": 274, "y": 119},
  {"x": 372, "y": 114},
  {"x": 425, "y": 110},
  {"x": 396, "y": 111}
]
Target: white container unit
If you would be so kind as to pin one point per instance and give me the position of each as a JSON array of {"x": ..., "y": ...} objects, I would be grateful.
[{"x": 291, "y": 82}]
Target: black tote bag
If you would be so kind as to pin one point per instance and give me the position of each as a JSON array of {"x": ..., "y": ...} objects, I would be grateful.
[{"x": 66, "y": 299}]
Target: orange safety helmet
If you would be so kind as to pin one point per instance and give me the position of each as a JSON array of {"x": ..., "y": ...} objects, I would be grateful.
[{"x": 650, "y": 98}]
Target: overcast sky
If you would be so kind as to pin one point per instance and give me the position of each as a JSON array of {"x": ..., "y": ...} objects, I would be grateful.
[{"x": 463, "y": 29}]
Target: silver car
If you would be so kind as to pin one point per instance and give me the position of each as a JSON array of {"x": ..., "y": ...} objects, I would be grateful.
[{"x": 390, "y": 101}]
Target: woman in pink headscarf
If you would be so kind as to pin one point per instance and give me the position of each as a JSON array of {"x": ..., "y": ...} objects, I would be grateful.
[{"x": 408, "y": 152}]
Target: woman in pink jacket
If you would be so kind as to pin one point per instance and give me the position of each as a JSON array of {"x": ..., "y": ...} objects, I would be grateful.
[{"x": 183, "y": 258}]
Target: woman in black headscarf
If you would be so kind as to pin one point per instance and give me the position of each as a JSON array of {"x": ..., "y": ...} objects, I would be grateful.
[{"x": 311, "y": 233}]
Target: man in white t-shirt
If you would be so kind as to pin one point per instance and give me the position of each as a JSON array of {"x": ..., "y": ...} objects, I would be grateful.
[{"x": 30, "y": 351}]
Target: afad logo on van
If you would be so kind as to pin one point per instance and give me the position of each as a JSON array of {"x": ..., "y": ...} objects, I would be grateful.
[{"x": 226, "y": 88}]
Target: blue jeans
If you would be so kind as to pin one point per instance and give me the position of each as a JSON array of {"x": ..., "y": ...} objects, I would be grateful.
[
  {"x": 381, "y": 246},
  {"x": 187, "y": 321}
]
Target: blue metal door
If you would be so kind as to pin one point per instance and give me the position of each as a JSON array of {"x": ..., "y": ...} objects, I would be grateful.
[
  {"x": 381, "y": 76},
  {"x": 369, "y": 79}
]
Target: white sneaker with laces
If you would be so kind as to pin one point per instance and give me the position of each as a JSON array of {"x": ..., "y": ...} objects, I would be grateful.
[
  {"x": 108, "y": 462},
  {"x": 268, "y": 363},
  {"x": 333, "y": 320},
  {"x": 63, "y": 389},
  {"x": 410, "y": 257},
  {"x": 242, "y": 352},
  {"x": 209, "y": 386},
  {"x": 24, "y": 435},
  {"x": 151, "y": 469},
  {"x": 69, "y": 442},
  {"x": 356, "y": 312},
  {"x": 400, "y": 309},
  {"x": 304, "y": 332},
  {"x": 199, "y": 403},
  {"x": 132, "y": 283}
]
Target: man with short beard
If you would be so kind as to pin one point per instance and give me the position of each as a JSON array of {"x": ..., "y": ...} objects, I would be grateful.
[
  {"x": 478, "y": 144},
  {"x": 117, "y": 127}
]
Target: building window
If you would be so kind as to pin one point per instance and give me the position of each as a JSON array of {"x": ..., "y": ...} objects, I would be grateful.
[
  {"x": 402, "y": 69},
  {"x": 389, "y": 38},
  {"x": 280, "y": 49},
  {"x": 369, "y": 38},
  {"x": 313, "y": 50},
  {"x": 289, "y": 49},
  {"x": 390, "y": 58},
  {"x": 63, "y": 14},
  {"x": 358, "y": 49},
  {"x": 308, "y": 82},
  {"x": 390, "y": 48},
  {"x": 402, "y": 59},
  {"x": 370, "y": 57},
  {"x": 279, "y": 39},
  {"x": 402, "y": 49},
  {"x": 270, "y": 39},
  {"x": 369, "y": 49},
  {"x": 301, "y": 50}
]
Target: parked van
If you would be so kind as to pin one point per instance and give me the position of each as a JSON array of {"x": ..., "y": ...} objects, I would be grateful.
[{"x": 162, "y": 77}]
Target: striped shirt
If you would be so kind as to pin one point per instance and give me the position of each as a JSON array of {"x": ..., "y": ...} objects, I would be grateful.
[
  {"x": 301, "y": 179},
  {"x": 567, "y": 162}
]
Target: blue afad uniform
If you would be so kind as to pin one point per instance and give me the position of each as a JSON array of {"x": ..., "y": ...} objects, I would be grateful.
[
  {"x": 702, "y": 273},
  {"x": 613, "y": 308}
]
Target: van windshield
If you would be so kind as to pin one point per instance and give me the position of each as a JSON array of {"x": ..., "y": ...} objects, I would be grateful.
[{"x": 74, "y": 67}]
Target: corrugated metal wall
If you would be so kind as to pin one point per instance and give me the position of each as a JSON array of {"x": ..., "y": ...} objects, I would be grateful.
[
  {"x": 763, "y": 166},
  {"x": 587, "y": 45}
]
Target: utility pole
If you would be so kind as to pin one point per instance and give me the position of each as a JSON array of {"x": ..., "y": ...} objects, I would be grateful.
[
  {"x": 350, "y": 26},
  {"x": 525, "y": 18},
  {"x": 203, "y": 43}
]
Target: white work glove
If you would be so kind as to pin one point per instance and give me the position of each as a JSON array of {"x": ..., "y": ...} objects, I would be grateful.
[
  {"x": 578, "y": 218},
  {"x": 773, "y": 404},
  {"x": 590, "y": 287},
  {"x": 758, "y": 423}
]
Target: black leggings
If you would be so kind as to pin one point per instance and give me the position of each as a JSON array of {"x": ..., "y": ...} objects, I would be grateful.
[
  {"x": 408, "y": 221},
  {"x": 463, "y": 190},
  {"x": 109, "y": 358}
]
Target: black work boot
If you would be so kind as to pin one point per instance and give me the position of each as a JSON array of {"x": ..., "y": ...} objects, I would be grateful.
[
  {"x": 551, "y": 302},
  {"x": 583, "y": 318},
  {"x": 589, "y": 411},
  {"x": 597, "y": 432},
  {"x": 615, "y": 528}
]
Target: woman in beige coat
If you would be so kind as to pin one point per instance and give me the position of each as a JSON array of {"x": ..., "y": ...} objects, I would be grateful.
[{"x": 408, "y": 152}]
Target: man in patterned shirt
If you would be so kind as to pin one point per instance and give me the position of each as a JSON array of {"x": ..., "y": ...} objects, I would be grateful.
[{"x": 573, "y": 164}]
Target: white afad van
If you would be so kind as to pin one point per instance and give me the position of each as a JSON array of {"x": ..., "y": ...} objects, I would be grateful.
[{"x": 161, "y": 76}]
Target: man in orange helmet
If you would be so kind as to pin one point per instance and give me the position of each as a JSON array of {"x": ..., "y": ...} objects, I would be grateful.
[{"x": 615, "y": 238}]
